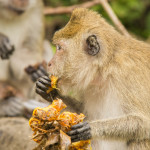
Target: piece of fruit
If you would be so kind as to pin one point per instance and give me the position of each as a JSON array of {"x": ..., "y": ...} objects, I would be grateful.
[
  {"x": 51, "y": 112},
  {"x": 50, "y": 127},
  {"x": 68, "y": 119},
  {"x": 54, "y": 80}
]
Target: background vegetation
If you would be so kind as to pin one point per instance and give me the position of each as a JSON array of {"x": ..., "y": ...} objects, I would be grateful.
[{"x": 134, "y": 15}]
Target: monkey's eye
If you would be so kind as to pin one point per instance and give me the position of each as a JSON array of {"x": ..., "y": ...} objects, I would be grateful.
[{"x": 58, "y": 47}]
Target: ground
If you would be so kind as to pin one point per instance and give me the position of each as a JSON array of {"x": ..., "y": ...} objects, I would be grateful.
[{"x": 15, "y": 134}]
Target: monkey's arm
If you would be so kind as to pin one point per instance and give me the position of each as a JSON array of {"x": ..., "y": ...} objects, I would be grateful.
[
  {"x": 14, "y": 106},
  {"x": 127, "y": 127},
  {"x": 6, "y": 48},
  {"x": 41, "y": 88}
]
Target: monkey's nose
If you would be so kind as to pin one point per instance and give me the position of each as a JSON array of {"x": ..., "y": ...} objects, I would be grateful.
[{"x": 49, "y": 64}]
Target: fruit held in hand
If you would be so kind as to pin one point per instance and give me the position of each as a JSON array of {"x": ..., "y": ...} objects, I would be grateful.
[{"x": 54, "y": 80}]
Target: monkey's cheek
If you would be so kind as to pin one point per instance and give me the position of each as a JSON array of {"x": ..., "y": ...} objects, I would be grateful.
[
  {"x": 63, "y": 89},
  {"x": 60, "y": 84},
  {"x": 51, "y": 71}
]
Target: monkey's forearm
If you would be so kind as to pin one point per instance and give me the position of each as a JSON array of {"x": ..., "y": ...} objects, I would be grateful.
[
  {"x": 73, "y": 104},
  {"x": 127, "y": 127}
]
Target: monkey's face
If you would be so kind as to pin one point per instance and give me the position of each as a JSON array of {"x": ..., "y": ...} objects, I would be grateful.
[
  {"x": 10, "y": 9},
  {"x": 75, "y": 59},
  {"x": 83, "y": 49}
]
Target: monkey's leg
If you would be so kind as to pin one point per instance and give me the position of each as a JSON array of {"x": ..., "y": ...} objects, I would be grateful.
[
  {"x": 11, "y": 107},
  {"x": 10, "y": 101},
  {"x": 130, "y": 127}
]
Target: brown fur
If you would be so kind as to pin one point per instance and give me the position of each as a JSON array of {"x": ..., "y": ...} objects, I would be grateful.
[{"x": 113, "y": 85}]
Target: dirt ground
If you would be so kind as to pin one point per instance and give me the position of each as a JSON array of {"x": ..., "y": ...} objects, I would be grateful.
[{"x": 15, "y": 134}]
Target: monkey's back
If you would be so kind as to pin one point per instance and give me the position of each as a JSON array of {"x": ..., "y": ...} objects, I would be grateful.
[{"x": 131, "y": 75}]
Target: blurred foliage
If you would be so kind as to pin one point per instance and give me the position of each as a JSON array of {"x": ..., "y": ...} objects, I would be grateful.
[{"x": 134, "y": 14}]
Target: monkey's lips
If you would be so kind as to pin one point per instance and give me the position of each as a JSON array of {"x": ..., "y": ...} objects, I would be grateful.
[{"x": 19, "y": 11}]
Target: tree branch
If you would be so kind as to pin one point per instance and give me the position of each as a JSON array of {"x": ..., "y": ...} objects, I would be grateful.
[
  {"x": 113, "y": 17},
  {"x": 105, "y": 5},
  {"x": 69, "y": 9}
]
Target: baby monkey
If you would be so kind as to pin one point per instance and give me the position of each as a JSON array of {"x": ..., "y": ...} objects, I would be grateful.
[
  {"x": 110, "y": 74},
  {"x": 21, "y": 45}
]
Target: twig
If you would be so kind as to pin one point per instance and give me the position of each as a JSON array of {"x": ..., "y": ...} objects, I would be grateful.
[
  {"x": 113, "y": 17},
  {"x": 69, "y": 9},
  {"x": 105, "y": 5}
]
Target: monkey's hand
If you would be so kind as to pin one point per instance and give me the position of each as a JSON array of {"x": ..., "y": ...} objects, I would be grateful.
[
  {"x": 11, "y": 107},
  {"x": 42, "y": 86},
  {"x": 79, "y": 132},
  {"x": 6, "y": 48},
  {"x": 36, "y": 71}
]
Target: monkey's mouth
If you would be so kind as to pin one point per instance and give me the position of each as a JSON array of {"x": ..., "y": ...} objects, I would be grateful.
[{"x": 16, "y": 10}]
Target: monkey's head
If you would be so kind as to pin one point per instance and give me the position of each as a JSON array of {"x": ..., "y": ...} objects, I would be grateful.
[
  {"x": 84, "y": 47},
  {"x": 9, "y": 9}
]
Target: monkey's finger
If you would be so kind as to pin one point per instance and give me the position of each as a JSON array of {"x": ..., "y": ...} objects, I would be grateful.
[
  {"x": 41, "y": 86},
  {"x": 10, "y": 111},
  {"x": 40, "y": 92},
  {"x": 83, "y": 136},
  {"x": 34, "y": 76},
  {"x": 32, "y": 104},
  {"x": 46, "y": 78},
  {"x": 80, "y": 125},
  {"x": 43, "y": 70},
  {"x": 15, "y": 100},
  {"x": 75, "y": 138},
  {"x": 44, "y": 81},
  {"x": 40, "y": 73},
  {"x": 5, "y": 39},
  {"x": 43, "y": 94},
  {"x": 15, "y": 111},
  {"x": 16, "y": 106},
  {"x": 4, "y": 56},
  {"x": 3, "y": 49},
  {"x": 80, "y": 130},
  {"x": 11, "y": 50},
  {"x": 87, "y": 137},
  {"x": 8, "y": 46}
]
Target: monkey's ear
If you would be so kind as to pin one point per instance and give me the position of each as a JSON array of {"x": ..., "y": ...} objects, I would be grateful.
[{"x": 93, "y": 46}]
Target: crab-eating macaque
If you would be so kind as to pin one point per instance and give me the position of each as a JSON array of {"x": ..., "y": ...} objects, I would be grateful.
[
  {"x": 110, "y": 74},
  {"x": 42, "y": 85},
  {"x": 21, "y": 45}
]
